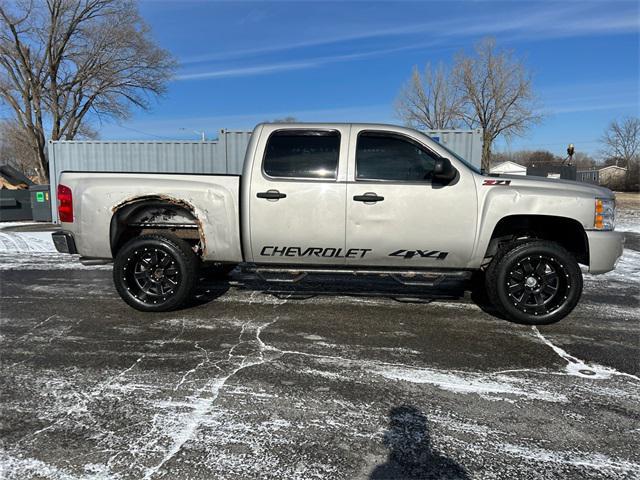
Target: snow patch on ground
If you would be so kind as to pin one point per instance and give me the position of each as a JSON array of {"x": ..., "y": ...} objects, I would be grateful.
[
  {"x": 468, "y": 383},
  {"x": 35, "y": 251},
  {"x": 324, "y": 374},
  {"x": 627, "y": 270},
  {"x": 26, "y": 242},
  {"x": 245, "y": 391},
  {"x": 594, "y": 461},
  {"x": 44, "y": 261},
  {"x": 313, "y": 337},
  {"x": 202, "y": 407},
  {"x": 577, "y": 367},
  {"x": 628, "y": 220},
  {"x": 18, "y": 467},
  {"x": 22, "y": 223}
]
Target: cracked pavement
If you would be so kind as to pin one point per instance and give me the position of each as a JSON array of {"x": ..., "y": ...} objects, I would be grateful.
[{"x": 328, "y": 379}]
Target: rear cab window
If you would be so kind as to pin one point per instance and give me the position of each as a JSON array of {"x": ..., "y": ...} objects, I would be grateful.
[
  {"x": 307, "y": 154},
  {"x": 392, "y": 157}
]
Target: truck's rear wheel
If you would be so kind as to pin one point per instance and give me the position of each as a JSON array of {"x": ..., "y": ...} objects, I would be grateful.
[
  {"x": 155, "y": 273},
  {"x": 534, "y": 282}
]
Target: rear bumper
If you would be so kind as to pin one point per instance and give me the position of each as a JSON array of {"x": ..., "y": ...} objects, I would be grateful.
[
  {"x": 604, "y": 250},
  {"x": 64, "y": 242}
]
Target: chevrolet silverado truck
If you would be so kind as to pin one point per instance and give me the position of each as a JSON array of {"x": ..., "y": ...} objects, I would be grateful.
[{"x": 344, "y": 199}]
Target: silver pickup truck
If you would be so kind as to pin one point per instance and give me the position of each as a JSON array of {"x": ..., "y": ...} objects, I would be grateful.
[{"x": 344, "y": 198}]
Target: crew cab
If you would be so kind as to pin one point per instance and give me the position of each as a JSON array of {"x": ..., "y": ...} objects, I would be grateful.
[{"x": 344, "y": 198}]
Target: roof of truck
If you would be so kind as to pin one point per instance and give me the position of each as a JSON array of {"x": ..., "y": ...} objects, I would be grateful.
[{"x": 333, "y": 124}]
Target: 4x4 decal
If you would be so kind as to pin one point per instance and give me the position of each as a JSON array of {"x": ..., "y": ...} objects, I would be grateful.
[
  {"x": 407, "y": 254},
  {"x": 497, "y": 182}
]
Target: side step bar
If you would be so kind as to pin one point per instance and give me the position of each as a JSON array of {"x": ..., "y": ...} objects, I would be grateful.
[{"x": 421, "y": 278}]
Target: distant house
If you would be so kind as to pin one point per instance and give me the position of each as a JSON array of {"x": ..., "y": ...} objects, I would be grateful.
[
  {"x": 612, "y": 174},
  {"x": 607, "y": 176},
  {"x": 508, "y": 168}
]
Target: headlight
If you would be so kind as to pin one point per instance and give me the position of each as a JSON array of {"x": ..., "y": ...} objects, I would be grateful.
[{"x": 605, "y": 217}]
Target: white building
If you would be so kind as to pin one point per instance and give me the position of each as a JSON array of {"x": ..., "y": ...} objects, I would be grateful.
[
  {"x": 612, "y": 174},
  {"x": 509, "y": 168}
]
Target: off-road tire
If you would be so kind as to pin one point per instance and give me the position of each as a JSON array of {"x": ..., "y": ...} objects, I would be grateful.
[
  {"x": 534, "y": 282},
  {"x": 156, "y": 272}
]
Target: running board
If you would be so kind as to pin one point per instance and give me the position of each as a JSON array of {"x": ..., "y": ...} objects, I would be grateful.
[
  {"x": 428, "y": 279},
  {"x": 88, "y": 261},
  {"x": 293, "y": 277},
  {"x": 420, "y": 278}
]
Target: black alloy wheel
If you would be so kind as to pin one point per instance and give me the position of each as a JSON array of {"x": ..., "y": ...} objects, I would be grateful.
[
  {"x": 153, "y": 276},
  {"x": 538, "y": 285},
  {"x": 534, "y": 282},
  {"x": 155, "y": 272}
]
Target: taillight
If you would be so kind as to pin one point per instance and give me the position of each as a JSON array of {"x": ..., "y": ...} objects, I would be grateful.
[{"x": 65, "y": 204}]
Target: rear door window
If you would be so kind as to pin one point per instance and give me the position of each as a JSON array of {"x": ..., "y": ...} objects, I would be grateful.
[{"x": 302, "y": 154}]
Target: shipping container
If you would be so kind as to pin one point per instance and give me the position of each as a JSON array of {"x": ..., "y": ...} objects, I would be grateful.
[
  {"x": 224, "y": 156},
  {"x": 465, "y": 143}
]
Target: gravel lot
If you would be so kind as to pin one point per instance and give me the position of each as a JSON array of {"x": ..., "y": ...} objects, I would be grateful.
[{"x": 332, "y": 380}]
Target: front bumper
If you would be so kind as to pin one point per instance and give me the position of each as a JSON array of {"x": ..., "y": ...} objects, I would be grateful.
[
  {"x": 604, "y": 250},
  {"x": 64, "y": 242}
]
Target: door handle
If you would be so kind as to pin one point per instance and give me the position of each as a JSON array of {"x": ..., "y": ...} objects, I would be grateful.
[
  {"x": 271, "y": 195},
  {"x": 368, "y": 197}
]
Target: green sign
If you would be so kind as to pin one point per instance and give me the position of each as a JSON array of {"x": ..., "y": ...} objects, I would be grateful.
[{"x": 39, "y": 197}]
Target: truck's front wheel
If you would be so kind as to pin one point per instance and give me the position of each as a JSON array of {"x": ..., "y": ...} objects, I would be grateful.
[
  {"x": 155, "y": 273},
  {"x": 534, "y": 282}
]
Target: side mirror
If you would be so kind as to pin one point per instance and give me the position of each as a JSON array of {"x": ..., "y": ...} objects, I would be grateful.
[{"x": 443, "y": 171}]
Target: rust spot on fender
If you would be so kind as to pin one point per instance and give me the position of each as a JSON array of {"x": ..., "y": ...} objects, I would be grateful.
[
  {"x": 160, "y": 196},
  {"x": 171, "y": 201}
]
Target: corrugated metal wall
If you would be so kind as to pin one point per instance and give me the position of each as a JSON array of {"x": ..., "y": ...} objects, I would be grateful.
[
  {"x": 226, "y": 155},
  {"x": 466, "y": 143},
  {"x": 588, "y": 176},
  {"x": 235, "y": 146},
  {"x": 222, "y": 156}
]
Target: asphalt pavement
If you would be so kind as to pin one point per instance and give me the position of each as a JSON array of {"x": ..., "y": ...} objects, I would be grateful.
[{"x": 330, "y": 379}]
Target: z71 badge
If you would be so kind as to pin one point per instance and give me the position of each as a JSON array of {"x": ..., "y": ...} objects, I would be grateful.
[
  {"x": 496, "y": 182},
  {"x": 433, "y": 254}
]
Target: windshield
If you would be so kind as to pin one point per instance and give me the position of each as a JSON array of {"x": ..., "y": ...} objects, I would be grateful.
[{"x": 458, "y": 157}]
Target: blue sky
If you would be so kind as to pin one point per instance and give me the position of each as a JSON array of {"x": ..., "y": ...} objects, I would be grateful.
[{"x": 245, "y": 62}]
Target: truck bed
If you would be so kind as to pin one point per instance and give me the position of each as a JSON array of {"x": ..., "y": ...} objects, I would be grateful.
[{"x": 213, "y": 199}]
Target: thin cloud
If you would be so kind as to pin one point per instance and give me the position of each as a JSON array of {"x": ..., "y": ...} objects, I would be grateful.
[
  {"x": 248, "y": 71},
  {"x": 567, "y": 21},
  {"x": 306, "y": 64},
  {"x": 369, "y": 34},
  {"x": 589, "y": 108}
]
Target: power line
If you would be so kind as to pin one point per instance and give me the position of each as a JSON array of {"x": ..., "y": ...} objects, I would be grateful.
[
  {"x": 145, "y": 133},
  {"x": 564, "y": 143}
]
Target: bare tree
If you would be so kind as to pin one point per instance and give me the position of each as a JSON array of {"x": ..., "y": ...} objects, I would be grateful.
[
  {"x": 621, "y": 141},
  {"x": 526, "y": 158},
  {"x": 496, "y": 92},
  {"x": 583, "y": 161},
  {"x": 15, "y": 149},
  {"x": 430, "y": 102},
  {"x": 538, "y": 157},
  {"x": 65, "y": 61}
]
